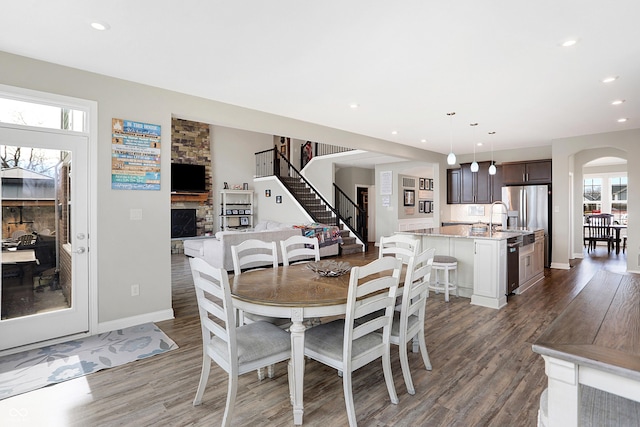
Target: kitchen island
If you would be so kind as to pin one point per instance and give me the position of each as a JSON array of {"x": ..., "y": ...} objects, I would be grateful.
[{"x": 482, "y": 259}]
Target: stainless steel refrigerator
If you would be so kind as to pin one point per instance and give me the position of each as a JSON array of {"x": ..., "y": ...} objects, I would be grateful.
[{"x": 530, "y": 207}]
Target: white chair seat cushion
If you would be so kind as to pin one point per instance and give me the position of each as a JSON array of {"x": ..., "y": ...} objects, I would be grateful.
[
  {"x": 327, "y": 340},
  {"x": 255, "y": 341}
]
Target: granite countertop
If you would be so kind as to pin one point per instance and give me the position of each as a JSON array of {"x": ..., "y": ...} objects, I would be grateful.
[{"x": 464, "y": 231}]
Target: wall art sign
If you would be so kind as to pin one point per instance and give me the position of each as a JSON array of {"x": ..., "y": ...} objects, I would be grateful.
[{"x": 135, "y": 155}]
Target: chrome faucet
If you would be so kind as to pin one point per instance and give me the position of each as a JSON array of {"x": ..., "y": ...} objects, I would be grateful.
[{"x": 506, "y": 213}]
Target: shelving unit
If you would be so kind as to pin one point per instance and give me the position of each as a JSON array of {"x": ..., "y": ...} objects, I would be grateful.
[{"x": 236, "y": 209}]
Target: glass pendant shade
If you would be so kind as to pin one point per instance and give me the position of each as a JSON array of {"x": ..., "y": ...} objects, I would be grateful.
[
  {"x": 451, "y": 158},
  {"x": 474, "y": 166},
  {"x": 492, "y": 169}
]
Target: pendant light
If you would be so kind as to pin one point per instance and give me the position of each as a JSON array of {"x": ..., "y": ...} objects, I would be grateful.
[
  {"x": 474, "y": 165},
  {"x": 492, "y": 168},
  {"x": 451, "y": 158}
]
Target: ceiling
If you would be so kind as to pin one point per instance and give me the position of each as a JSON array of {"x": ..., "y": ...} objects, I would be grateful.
[{"x": 406, "y": 63}]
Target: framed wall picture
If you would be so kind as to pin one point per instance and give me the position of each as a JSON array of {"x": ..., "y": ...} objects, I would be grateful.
[
  {"x": 421, "y": 206},
  {"x": 267, "y": 193},
  {"x": 229, "y": 212},
  {"x": 234, "y": 212},
  {"x": 240, "y": 211},
  {"x": 422, "y": 183},
  {"x": 278, "y": 199},
  {"x": 409, "y": 198},
  {"x": 245, "y": 186},
  {"x": 247, "y": 211},
  {"x": 244, "y": 220}
]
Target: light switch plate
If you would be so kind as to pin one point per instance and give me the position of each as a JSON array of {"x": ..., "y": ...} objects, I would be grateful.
[{"x": 135, "y": 214}]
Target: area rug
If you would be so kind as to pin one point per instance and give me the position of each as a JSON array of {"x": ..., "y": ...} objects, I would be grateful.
[{"x": 33, "y": 369}]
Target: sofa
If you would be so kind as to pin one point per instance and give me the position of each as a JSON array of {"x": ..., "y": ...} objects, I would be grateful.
[{"x": 217, "y": 250}]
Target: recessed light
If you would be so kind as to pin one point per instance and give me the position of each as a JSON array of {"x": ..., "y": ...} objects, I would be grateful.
[
  {"x": 100, "y": 26},
  {"x": 622, "y": 120},
  {"x": 479, "y": 144},
  {"x": 569, "y": 43},
  {"x": 354, "y": 105},
  {"x": 423, "y": 140},
  {"x": 610, "y": 79},
  {"x": 617, "y": 102},
  {"x": 394, "y": 132}
]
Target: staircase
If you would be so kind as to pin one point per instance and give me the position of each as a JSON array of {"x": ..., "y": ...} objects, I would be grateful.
[
  {"x": 307, "y": 198},
  {"x": 349, "y": 244},
  {"x": 272, "y": 163},
  {"x": 320, "y": 213}
]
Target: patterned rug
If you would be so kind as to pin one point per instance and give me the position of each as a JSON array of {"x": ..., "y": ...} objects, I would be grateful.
[{"x": 33, "y": 369}]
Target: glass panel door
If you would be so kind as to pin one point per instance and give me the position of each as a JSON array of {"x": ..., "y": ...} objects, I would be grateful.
[{"x": 44, "y": 284}]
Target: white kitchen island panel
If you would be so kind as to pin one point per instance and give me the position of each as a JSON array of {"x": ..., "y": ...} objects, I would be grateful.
[{"x": 482, "y": 261}]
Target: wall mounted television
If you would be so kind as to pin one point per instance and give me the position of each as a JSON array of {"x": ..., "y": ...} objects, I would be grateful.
[{"x": 187, "y": 178}]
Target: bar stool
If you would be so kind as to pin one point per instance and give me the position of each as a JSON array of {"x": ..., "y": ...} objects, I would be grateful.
[{"x": 447, "y": 264}]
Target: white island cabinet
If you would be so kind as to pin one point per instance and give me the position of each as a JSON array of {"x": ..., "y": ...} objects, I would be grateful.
[
  {"x": 490, "y": 273},
  {"x": 482, "y": 260}
]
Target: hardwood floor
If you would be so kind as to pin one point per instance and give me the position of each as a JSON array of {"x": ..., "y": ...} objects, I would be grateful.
[{"x": 484, "y": 372}]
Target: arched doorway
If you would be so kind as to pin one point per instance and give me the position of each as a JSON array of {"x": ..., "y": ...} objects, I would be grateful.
[{"x": 599, "y": 186}]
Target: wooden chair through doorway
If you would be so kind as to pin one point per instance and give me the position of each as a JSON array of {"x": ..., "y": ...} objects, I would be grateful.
[{"x": 598, "y": 229}]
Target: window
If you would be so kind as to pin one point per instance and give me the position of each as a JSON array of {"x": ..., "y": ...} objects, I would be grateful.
[
  {"x": 26, "y": 113},
  {"x": 619, "y": 199},
  {"x": 592, "y": 196}
]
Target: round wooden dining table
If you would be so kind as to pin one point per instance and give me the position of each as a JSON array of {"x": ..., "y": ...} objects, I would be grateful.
[{"x": 297, "y": 293}]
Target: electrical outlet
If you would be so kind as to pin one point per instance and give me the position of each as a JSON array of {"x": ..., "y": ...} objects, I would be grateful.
[{"x": 135, "y": 290}]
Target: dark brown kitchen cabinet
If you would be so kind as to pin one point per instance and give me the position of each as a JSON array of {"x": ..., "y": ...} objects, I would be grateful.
[
  {"x": 464, "y": 186},
  {"x": 453, "y": 186},
  {"x": 475, "y": 187},
  {"x": 531, "y": 172},
  {"x": 496, "y": 185}
]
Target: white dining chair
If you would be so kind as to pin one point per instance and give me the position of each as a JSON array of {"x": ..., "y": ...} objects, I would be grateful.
[
  {"x": 298, "y": 249},
  {"x": 346, "y": 345},
  {"x": 409, "y": 322},
  {"x": 250, "y": 255},
  {"x": 400, "y": 246},
  {"x": 237, "y": 350}
]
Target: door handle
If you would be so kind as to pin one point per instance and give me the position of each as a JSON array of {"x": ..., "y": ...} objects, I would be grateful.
[{"x": 80, "y": 250}]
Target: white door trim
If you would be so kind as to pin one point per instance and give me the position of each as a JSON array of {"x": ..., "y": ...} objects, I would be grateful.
[{"x": 91, "y": 132}]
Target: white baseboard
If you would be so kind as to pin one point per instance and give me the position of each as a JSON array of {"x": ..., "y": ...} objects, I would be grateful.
[
  {"x": 561, "y": 265},
  {"x": 127, "y": 322},
  {"x": 578, "y": 255}
]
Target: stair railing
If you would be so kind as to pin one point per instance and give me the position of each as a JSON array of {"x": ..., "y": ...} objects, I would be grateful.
[
  {"x": 350, "y": 212},
  {"x": 272, "y": 163}
]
